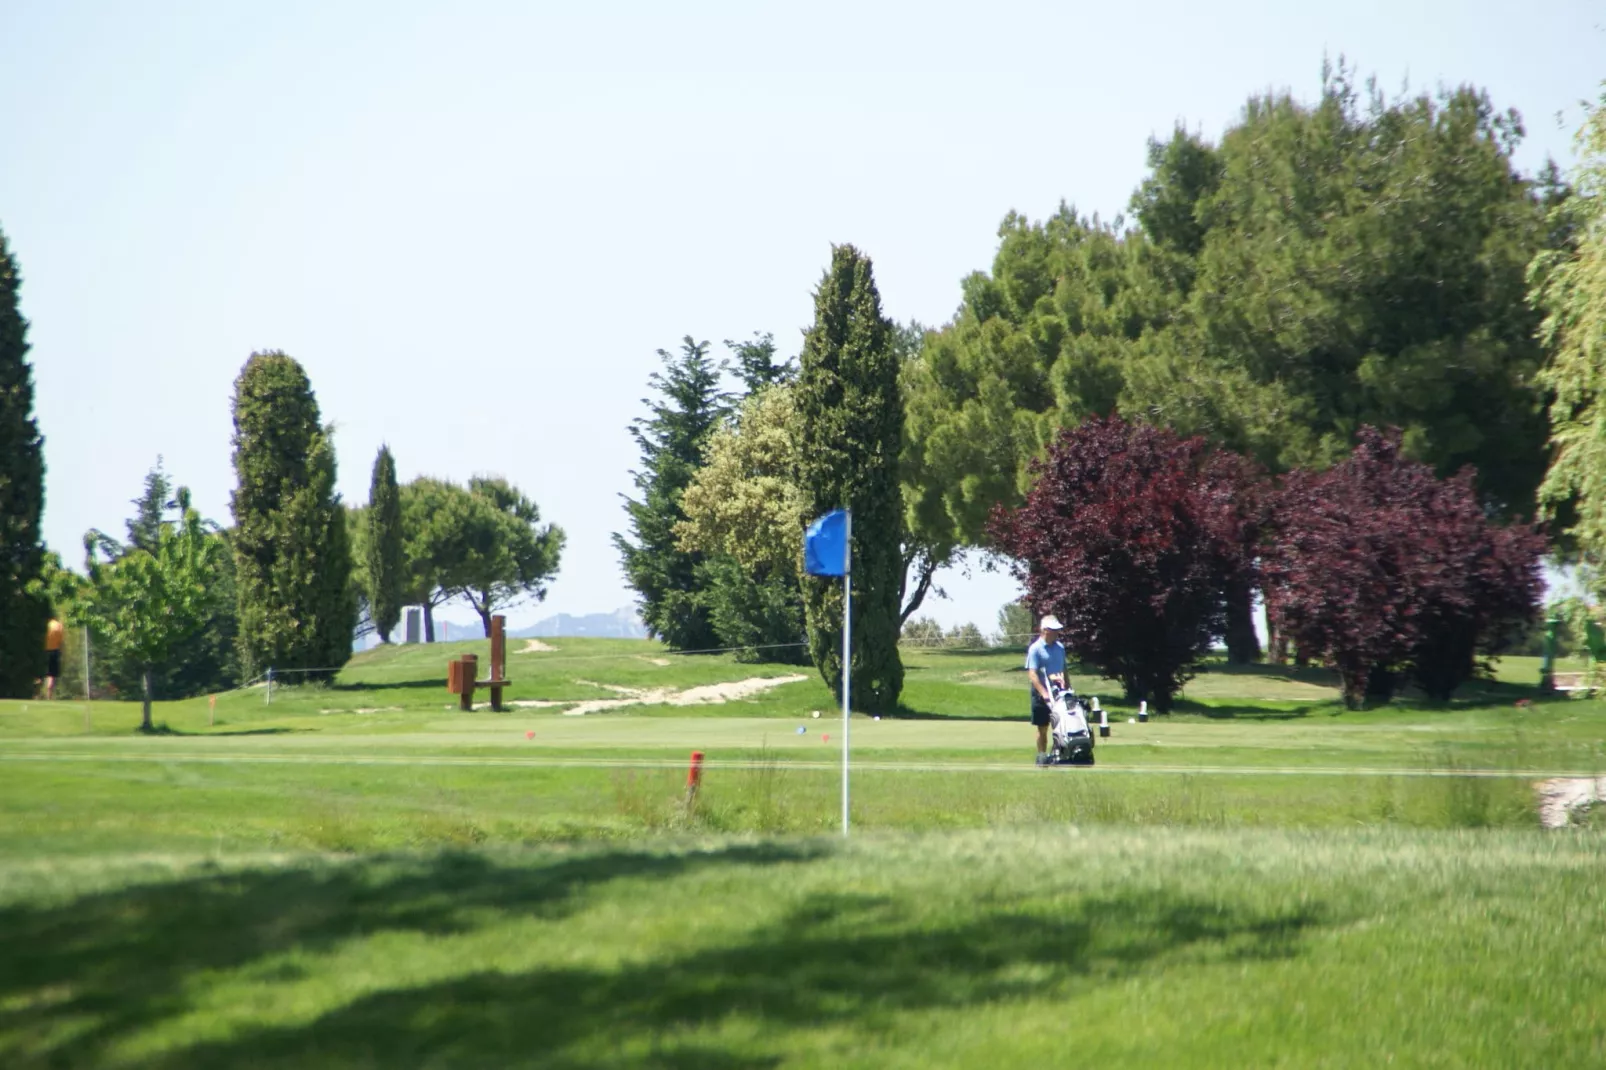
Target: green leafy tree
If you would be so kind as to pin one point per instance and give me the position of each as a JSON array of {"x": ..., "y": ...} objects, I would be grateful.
[
  {"x": 744, "y": 515},
  {"x": 1355, "y": 261},
  {"x": 1323, "y": 266},
  {"x": 965, "y": 636},
  {"x": 64, "y": 591},
  {"x": 357, "y": 529},
  {"x": 1184, "y": 172},
  {"x": 1015, "y": 625},
  {"x": 756, "y": 364},
  {"x": 1038, "y": 344},
  {"x": 672, "y": 438},
  {"x": 922, "y": 632},
  {"x": 150, "y": 509},
  {"x": 850, "y": 411},
  {"x": 758, "y": 613},
  {"x": 509, "y": 555},
  {"x": 23, "y": 613},
  {"x": 744, "y": 501},
  {"x": 1569, "y": 286},
  {"x": 745, "y": 504},
  {"x": 148, "y": 604},
  {"x": 436, "y": 515},
  {"x": 291, "y": 549},
  {"x": 207, "y": 662},
  {"x": 383, "y": 559}
]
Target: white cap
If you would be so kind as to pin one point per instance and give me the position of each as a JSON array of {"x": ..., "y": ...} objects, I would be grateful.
[{"x": 1052, "y": 622}]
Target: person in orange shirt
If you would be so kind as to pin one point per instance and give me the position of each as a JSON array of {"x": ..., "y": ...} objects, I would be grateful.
[{"x": 54, "y": 633}]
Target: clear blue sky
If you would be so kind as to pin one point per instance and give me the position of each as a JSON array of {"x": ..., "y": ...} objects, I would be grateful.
[{"x": 475, "y": 223}]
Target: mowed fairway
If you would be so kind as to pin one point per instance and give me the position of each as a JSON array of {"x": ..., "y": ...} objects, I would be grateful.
[{"x": 363, "y": 876}]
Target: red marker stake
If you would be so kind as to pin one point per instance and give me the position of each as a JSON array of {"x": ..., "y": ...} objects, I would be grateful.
[{"x": 694, "y": 778}]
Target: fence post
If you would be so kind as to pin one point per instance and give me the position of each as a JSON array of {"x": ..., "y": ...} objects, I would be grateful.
[{"x": 87, "y": 699}]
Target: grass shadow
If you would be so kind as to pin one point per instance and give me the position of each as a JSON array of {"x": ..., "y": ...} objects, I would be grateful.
[
  {"x": 166, "y": 730},
  {"x": 122, "y": 957},
  {"x": 835, "y": 960},
  {"x": 1244, "y": 712},
  {"x": 1315, "y": 675},
  {"x": 368, "y": 685}
]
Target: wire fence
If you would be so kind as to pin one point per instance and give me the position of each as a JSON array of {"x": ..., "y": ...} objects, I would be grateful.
[{"x": 78, "y": 680}]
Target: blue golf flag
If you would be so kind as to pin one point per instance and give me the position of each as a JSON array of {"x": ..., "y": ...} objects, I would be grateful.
[{"x": 825, "y": 545}]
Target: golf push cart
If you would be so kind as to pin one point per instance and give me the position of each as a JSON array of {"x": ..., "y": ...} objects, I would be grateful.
[{"x": 1071, "y": 741}]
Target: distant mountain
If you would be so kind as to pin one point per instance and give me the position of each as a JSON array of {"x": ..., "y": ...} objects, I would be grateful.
[{"x": 620, "y": 624}]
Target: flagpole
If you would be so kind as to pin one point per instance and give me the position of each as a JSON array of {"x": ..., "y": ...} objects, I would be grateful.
[{"x": 847, "y": 657}]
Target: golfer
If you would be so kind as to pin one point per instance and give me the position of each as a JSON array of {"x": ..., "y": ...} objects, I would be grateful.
[
  {"x": 54, "y": 633},
  {"x": 1045, "y": 663}
]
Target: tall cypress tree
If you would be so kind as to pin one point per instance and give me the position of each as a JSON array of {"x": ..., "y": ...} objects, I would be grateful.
[
  {"x": 291, "y": 549},
  {"x": 851, "y": 429},
  {"x": 668, "y": 579},
  {"x": 386, "y": 566},
  {"x": 22, "y": 499}
]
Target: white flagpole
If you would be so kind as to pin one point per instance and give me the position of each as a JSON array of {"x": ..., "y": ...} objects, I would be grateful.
[{"x": 847, "y": 657}]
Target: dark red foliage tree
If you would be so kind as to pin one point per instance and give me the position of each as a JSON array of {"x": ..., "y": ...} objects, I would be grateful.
[
  {"x": 1385, "y": 571},
  {"x": 1130, "y": 535}
]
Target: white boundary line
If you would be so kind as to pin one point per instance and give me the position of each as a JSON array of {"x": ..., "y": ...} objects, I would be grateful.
[{"x": 805, "y": 766}]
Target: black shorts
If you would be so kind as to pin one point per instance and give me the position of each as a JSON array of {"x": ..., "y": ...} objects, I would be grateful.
[
  {"x": 53, "y": 663},
  {"x": 1039, "y": 710}
]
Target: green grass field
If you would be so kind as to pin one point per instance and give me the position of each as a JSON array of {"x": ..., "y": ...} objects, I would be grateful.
[{"x": 362, "y": 875}]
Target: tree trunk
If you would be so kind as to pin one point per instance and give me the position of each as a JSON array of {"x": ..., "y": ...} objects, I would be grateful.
[
  {"x": 1276, "y": 640},
  {"x": 485, "y": 615},
  {"x": 925, "y": 570},
  {"x": 429, "y": 621},
  {"x": 145, "y": 688},
  {"x": 1243, "y": 645},
  {"x": 1355, "y": 679},
  {"x": 1380, "y": 685}
]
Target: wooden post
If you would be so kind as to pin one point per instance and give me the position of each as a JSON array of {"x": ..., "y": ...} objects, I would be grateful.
[
  {"x": 498, "y": 659},
  {"x": 471, "y": 671}
]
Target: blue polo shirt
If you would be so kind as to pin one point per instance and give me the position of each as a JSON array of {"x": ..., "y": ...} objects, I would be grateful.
[{"x": 1045, "y": 659}]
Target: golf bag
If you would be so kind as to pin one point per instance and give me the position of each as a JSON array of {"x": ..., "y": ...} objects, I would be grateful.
[{"x": 1072, "y": 740}]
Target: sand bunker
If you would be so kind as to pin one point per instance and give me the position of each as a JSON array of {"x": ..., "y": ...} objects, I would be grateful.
[
  {"x": 708, "y": 694},
  {"x": 534, "y": 646},
  {"x": 1563, "y": 798}
]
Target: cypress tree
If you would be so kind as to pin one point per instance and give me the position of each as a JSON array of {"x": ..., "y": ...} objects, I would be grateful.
[
  {"x": 291, "y": 550},
  {"x": 22, "y": 499},
  {"x": 386, "y": 566},
  {"x": 851, "y": 431},
  {"x": 670, "y": 580}
]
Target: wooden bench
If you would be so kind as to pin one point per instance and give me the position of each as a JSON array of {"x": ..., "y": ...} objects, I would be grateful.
[{"x": 461, "y": 672}]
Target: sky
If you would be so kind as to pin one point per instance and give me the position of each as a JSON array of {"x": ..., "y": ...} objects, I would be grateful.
[{"x": 475, "y": 224}]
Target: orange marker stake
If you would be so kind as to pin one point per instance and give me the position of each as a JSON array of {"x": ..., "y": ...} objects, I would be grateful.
[{"x": 694, "y": 778}]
